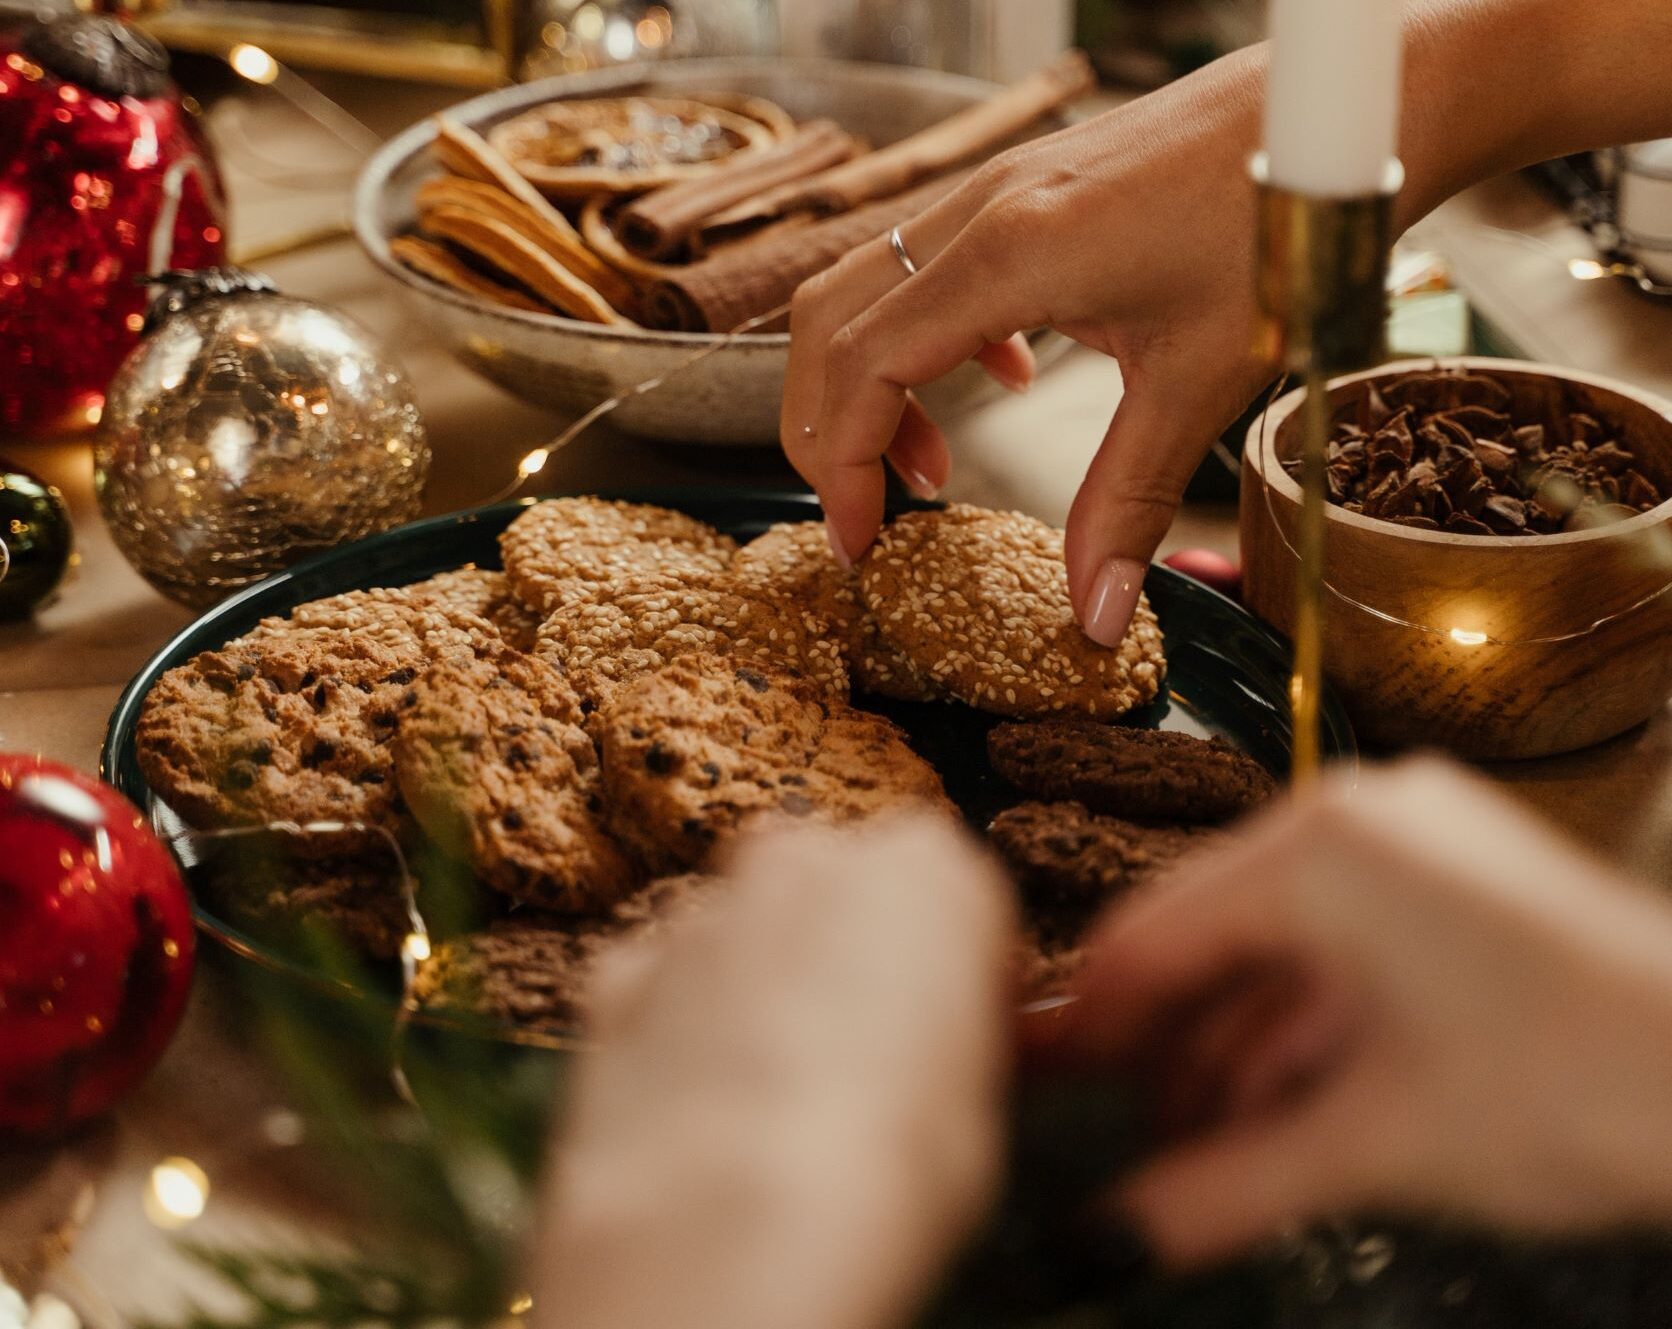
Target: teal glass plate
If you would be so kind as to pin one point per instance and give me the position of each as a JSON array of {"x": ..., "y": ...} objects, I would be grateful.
[{"x": 1228, "y": 674}]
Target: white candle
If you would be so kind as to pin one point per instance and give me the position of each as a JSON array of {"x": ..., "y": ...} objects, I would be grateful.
[{"x": 1332, "y": 109}]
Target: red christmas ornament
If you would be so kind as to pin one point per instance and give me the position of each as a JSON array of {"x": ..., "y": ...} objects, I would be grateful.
[
  {"x": 97, "y": 151},
  {"x": 95, "y": 946}
]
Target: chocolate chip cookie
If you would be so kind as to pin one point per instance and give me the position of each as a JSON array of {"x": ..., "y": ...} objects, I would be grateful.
[
  {"x": 280, "y": 728},
  {"x": 558, "y": 550},
  {"x": 795, "y": 559},
  {"x": 1141, "y": 773},
  {"x": 978, "y": 600},
  {"x": 1069, "y": 863},
  {"x": 644, "y": 622},
  {"x": 695, "y": 751},
  {"x": 493, "y": 762},
  {"x": 535, "y": 970},
  {"x": 355, "y": 901}
]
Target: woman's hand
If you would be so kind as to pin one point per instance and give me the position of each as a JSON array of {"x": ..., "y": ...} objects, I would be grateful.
[
  {"x": 1406, "y": 997},
  {"x": 795, "y": 1111},
  {"x": 1132, "y": 233}
]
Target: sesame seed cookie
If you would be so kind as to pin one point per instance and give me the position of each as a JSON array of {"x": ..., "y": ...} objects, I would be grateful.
[
  {"x": 280, "y": 728},
  {"x": 695, "y": 751},
  {"x": 643, "y": 622},
  {"x": 395, "y": 617},
  {"x": 557, "y": 550},
  {"x": 483, "y": 594},
  {"x": 1142, "y": 773},
  {"x": 795, "y": 559},
  {"x": 536, "y": 970},
  {"x": 978, "y": 600},
  {"x": 493, "y": 762}
]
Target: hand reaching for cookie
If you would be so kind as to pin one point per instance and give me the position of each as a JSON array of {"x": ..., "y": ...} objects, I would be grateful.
[
  {"x": 794, "y": 1113},
  {"x": 1407, "y": 997},
  {"x": 1134, "y": 234}
]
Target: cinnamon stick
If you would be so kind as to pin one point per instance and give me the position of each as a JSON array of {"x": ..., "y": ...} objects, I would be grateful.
[
  {"x": 658, "y": 225},
  {"x": 970, "y": 133},
  {"x": 752, "y": 277}
]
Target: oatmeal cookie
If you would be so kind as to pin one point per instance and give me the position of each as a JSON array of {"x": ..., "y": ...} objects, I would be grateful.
[
  {"x": 644, "y": 622},
  {"x": 280, "y": 728},
  {"x": 483, "y": 594},
  {"x": 1069, "y": 863},
  {"x": 796, "y": 560},
  {"x": 1140, "y": 773},
  {"x": 535, "y": 970},
  {"x": 560, "y": 549},
  {"x": 697, "y": 749},
  {"x": 493, "y": 762},
  {"x": 979, "y": 601}
]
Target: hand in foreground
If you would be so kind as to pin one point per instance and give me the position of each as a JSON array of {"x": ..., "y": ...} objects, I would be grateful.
[
  {"x": 1132, "y": 233},
  {"x": 795, "y": 1112},
  {"x": 1406, "y": 998}
]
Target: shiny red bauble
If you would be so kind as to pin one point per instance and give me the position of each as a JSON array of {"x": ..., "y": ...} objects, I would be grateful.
[
  {"x": 1214, "y": 571},
  {"x": 95, "y": 946},
  {"x": 104, "y": 179}
]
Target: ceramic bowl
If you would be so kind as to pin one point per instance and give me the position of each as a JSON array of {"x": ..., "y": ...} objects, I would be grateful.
[
  {"x": 1490, "y": 646},
  {"x": 732, "y": 396}
]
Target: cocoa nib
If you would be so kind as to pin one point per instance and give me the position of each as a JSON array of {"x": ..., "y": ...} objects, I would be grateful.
[{"x": 1446, "y": 450}]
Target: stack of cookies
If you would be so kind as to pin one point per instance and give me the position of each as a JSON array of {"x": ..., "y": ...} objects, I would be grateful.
[{"x": 579, "y": 737}]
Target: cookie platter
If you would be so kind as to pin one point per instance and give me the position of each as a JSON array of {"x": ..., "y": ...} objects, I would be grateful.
[{"x": 522, "y": 884}]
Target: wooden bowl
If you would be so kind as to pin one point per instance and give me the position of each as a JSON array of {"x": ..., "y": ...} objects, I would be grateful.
[{"x": 1490, "y": 646}]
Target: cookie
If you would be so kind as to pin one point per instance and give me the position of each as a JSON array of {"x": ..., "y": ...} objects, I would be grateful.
[
  {"x": 697, "y": 750},
  {"x": 1046, "y": 971},
  {"x": 642, "y": 623},
  {"x": 979, "y": 601},
  {"x": 399, "y": 618},
  {"x": 356, "y": 902},
  {"x": 535, "y": 970},
  {"x": 280, "y": 728},
  {"x": 486, "y": 595},
  {"x": 1140, "y": 773},
  {"x": 559, "y": 550},
  {"x": 795, "y": 559},
  {"x": 493, "y": 762},
  {"x": 1069, "y": 863}
]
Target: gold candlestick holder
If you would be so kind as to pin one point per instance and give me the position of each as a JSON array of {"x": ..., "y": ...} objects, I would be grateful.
[{"x": 1322, "y": 276}]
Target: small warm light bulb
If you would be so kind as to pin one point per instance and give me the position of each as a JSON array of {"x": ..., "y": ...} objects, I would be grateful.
[
  {"x": 534, "y": 463},
  {"x": 1466, "y": 637},
  {"x": 253, "y": 63},
  {"x": 1586, "y": 269},
  {"x": 416, "y": 947},
  {"x": 178, "y": 1192},
  {"x": 522, "y": 1305}
]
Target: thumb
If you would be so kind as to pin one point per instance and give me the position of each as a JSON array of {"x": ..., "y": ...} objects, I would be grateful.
[{"x": 1133, "y": 487}]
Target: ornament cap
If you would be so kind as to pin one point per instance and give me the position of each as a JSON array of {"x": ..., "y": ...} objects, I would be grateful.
[
  {"x": 100, "y": 53},
  {"x": 178, "y": 291}
]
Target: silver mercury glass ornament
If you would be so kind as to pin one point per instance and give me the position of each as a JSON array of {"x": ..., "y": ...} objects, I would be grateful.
[{"x": 248, "y": 430}]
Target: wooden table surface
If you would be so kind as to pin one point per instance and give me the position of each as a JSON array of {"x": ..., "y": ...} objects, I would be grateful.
[{"x": 60, "y": 674}]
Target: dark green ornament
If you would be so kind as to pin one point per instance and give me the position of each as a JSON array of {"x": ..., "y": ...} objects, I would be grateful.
[{"x": 35, "y": 529}]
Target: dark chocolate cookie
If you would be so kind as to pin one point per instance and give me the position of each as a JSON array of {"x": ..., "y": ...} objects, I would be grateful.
[
  {"x": 1068, "y": 863},
  {"x": 1141, "y": 773}
]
